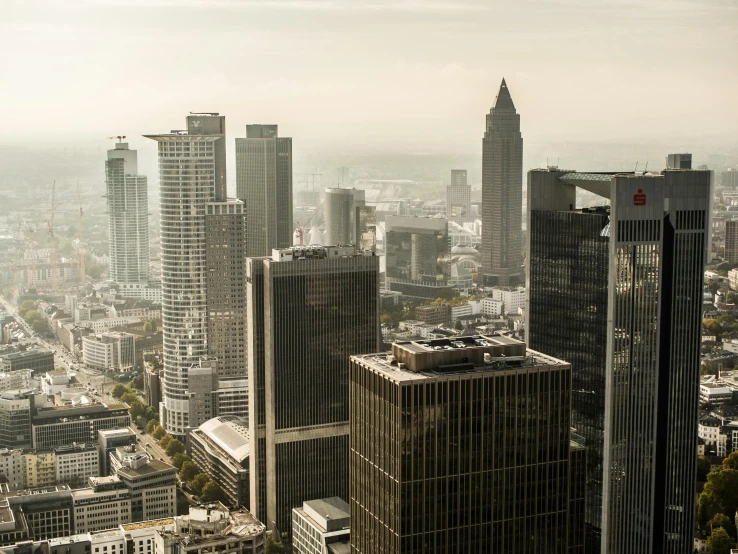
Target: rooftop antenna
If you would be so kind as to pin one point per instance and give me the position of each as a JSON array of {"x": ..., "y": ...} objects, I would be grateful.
[
  {"x": 119, "y": 137},
  {"x": 636, "y": 168},
  {"x": 646, "y": 169}
]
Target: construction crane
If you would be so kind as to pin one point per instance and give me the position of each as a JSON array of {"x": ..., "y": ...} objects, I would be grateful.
[
  {"x": 81, "y": 240},
  {"x": 54, "y": 266},
  {"x": 30, "y": 254}
]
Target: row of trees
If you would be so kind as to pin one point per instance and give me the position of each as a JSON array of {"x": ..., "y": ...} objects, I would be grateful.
[
  {"x": 718, "y": 326},
  {"x": 718, "y": 502},
  {"x": 28, "y": 310},
  {"x": 198, "y": 481},
  {"x": 139, "y": 409}
]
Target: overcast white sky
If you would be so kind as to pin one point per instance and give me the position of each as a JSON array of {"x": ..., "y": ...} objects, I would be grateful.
[{"x": 374, "y": 72}]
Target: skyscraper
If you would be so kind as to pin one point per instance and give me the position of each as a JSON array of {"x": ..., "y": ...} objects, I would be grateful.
[
  {"x": 264, "y": 183},
  {"x": 617, "y": 292},
  {"x": 226, "y": 286},
  {"x": 128, "y": 216},
  {"x": 458, "y": 197},
  {"x": 309, "y": 310},
  {"x": 341, "y": 215},
  {"x": 461, "y": 446},
  {"x": 190, "y": 168},
  {"x": 502, "y": 194}
]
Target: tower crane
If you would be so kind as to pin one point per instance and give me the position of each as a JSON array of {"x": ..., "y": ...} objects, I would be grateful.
[
  {"x": 54, "y": 266},
  {"x": 81, "y": 240}
]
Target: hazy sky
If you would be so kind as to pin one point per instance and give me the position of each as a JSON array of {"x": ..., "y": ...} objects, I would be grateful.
[{"x": 419, "y": 73}]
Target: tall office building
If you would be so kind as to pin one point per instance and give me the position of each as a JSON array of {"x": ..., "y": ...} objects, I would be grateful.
[
  {"x": 731, "y": 241},
  {"x": 309, "y": 310},
  {"x": 417, "y": 255},
  {"x": 461, "y": 446},
  {"x": 502, "y": 194},
  {"x": 617, "y": 292},
  {"x": 226, "y": 286},
  {"x": 458, "y": 197},
  {"x": 341, "y": 214},
  {"x": 264, "y": 183},
  {"x": 191, "y": 164},
  {"x": 128, "y": 216},
  {"x": 679, "y": 161}
]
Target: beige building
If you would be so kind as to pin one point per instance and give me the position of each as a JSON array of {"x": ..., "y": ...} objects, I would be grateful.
[{"x": 731, "y": 241}]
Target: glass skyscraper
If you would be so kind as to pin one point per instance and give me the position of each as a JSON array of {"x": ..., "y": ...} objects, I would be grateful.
[{"x": 617, "y": 291}]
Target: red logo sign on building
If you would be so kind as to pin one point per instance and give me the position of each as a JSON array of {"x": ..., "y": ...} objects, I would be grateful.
[{"x": 639, "y": 198}]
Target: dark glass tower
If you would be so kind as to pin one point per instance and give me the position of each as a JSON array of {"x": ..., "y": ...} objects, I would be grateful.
[
  {"x": 319, "y": 305},
  {"x": 502, "y": 194},
  {"x": 623, "y": 289},
  {"x": 463, "y": 446},
  {"x": 264, "y": 183}
]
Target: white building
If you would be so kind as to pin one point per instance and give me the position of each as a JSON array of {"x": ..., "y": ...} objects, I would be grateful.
[
  {"x": 491, "y": 307},
  {"x": 107, "y": 323},
  {"x": 76, "y": 462},
  {"x": 513, "y": 298},
  {"x": 19, "y": 379},
  {"x": 708, "y": 430},
  {"x": 320, "y": 523},
  {"x": 733, "y": 279},
  {"x": 104, "y": 504},
  {"x": 12, "y": 466},
  {"x": 141, "y": 291},
  {"x": 111, "y": 351},
  {"x": 153, "y": 486},
  {"x": 53, "y": 382},
  {"x": 715, "y": 394}
]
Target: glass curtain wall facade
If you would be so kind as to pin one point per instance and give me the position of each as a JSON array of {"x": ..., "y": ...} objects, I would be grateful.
[
  {"x": 320, "y": 306},
  {"x": 568, "y": 276},
  {"x": 460, "y": 457}
]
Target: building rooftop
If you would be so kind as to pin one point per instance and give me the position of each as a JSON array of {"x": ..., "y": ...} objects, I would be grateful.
[
  {"x": 147, "y": 524},
  {"x": 318, "y": 252},
  {"x": 423, "y": 359},
  {"x": 150, "y": 468},
  {"x": 230, "y": 433}
]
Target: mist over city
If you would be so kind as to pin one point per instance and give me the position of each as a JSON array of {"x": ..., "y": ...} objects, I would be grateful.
[{"x": 368, "y": 276}]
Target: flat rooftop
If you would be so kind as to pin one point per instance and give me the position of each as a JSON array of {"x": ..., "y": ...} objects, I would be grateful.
[
  {"x": 153, "y": 466},
  {"x": 423, "y": 359}
]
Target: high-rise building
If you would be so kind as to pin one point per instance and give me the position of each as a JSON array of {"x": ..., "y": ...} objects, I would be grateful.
[
  {"x": 128, "y": 216},
  {"x": 417, "y": 258},
  {"x": 365, "y": 228},
  {"x": 264, "y": 183},
  {"x": 617, "y": 292},
  {"x": 226, "y": 286},
  {"x": 191, "y": 175},
  {"x": 679, "y": 161},
  {"x": 462, "y": 445},
  {"x": 731, "y": 241},
  {"x": 502, "y": 194},
  {"x": 342, "y": 215},
  {"x": 309, "y": 310},
  {"x": 458, "y": 197}
]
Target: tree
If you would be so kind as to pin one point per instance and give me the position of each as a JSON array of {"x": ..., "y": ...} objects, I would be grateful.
[
  {"x": 386, "y": 319},
  {"x": 719, "y": 542},
  {"x": 39, "y": 327},
  {"x": 188, "y": 470},
  {"x": 211, "y": 492},
  {"x": 731, "y": 462},
  {"x": 720, "y": 494},
  {"x": 118, "y": 391},
  {"x": 174, "y": 447},
  {"x": 458, "y": 325},
  {"x": 198, "y": 482},
  {"x": 138, "y": 382},
  {"x": 274, "y": 546},
  {"x": 731, "y": 298},
  {"x": 151, "y": 426},
  {"x": 719, "y": 520},
  {"x": 147, "y": 327},
  {"x": 138, "y": 409},
  {"x": 703, "y": 468},
  {"x": 25, "y": 307},
  {"x": 165, "y": 440},
  {"x": 159, "y": 432},
  {"x": 129, "y": 397}
]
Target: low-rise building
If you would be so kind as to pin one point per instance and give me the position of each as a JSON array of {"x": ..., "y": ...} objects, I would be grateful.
[
  {"x": 492, "y": 307},
  {"x": 104, "y": 504},
  {"x": 513, "y": 298},
  {"x": 220, "y": 448},
  {"x": 112, "y": 351},
  {"x": 75, "y": 463},
  {"x": 40, "y": 468},
  {"x": 715, "y": 394},
  {"x": 322, "y": 527},
  {"x": 708, "y": 429},
  {"x": 35, "y": 514},
  {"x": 12, "y": 469},
  {"x": 59, "y": 425},
  {"x": 433, "y": 314},
  {"x": 18, "y": 379},
  {"x": 153, "y": 486},
  {"x": 39, "y": 360},
  {"x": 124, "y": 456},
  {"x": 53, "y": 382}
]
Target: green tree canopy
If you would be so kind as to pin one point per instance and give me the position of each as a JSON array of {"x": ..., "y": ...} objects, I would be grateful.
[
  {"x": 165, "y": 440},
  {"x": 147, "y": 327},
  {"x": 731, "y": 462},
  {"x": 129, "y": 397},
  {"x": 151, "y": 426},
  {"x": 720, "y": 494},
  {"x": 703, "y": 467},
  {"x": 274, "y": 546},
  {"x": 26, "y": 306},
  {"x": 138, "y": 382},
  {"x": 119, "y": 390},
  {"x": 719, "y": 542},
  {"x": 458, "y": 325},
  {"x": 158, "y": 433},
  {"x": 211, "y": 492},
  {"x": 188, "y": 471},
  {"x": 174, "y": 447},
  {"x": 198, "y": 482}
]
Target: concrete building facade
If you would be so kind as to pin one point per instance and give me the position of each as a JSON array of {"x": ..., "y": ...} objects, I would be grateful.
[
  {"x": 458, "y": 197},
  {"x": 111, "y": 351}
]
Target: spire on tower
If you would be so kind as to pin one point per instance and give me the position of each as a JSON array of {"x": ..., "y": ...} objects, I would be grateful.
[{"x": 504, "y": 100}]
